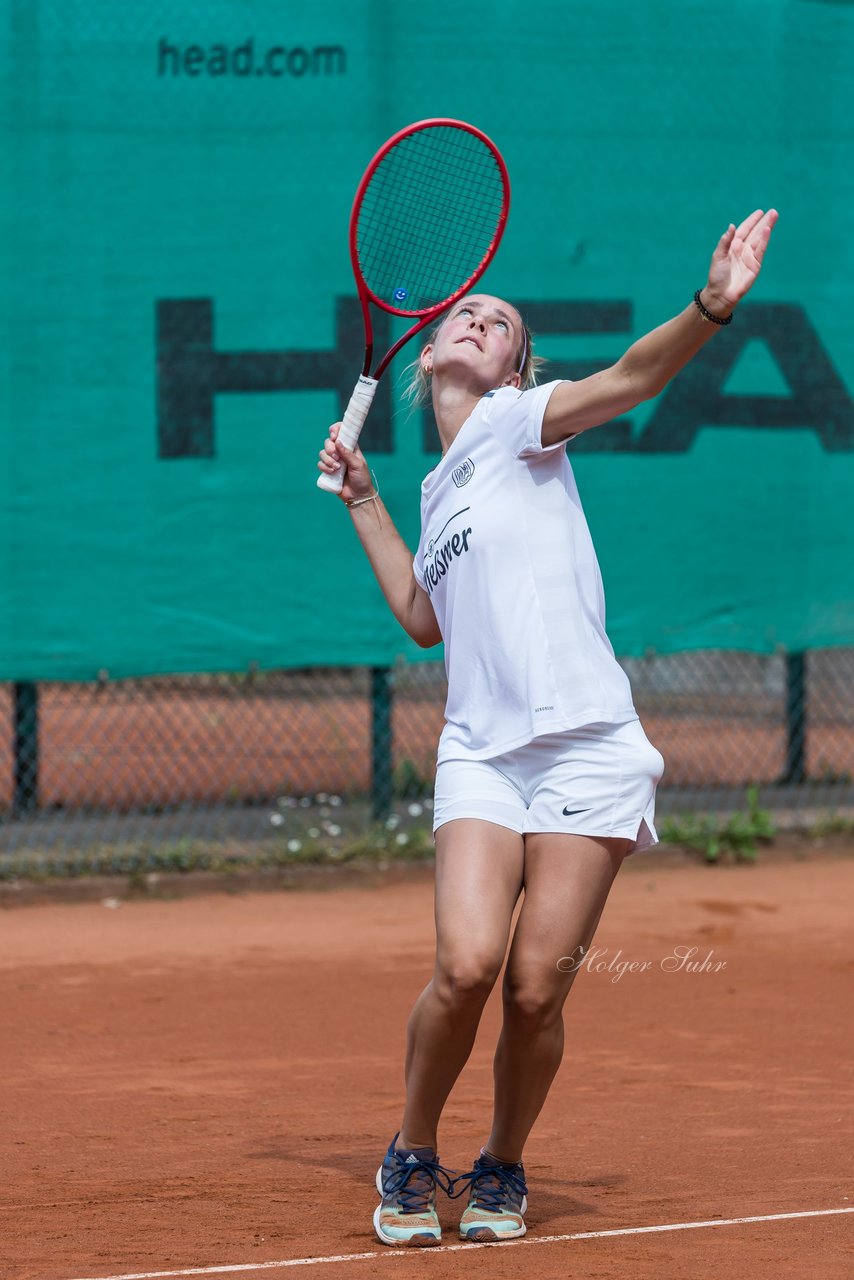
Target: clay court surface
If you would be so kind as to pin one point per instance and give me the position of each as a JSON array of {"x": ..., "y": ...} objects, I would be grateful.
[{"x": 211, "y": 1082}]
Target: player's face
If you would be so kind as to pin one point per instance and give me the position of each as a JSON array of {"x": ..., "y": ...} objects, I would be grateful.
[{"x": 480, "y": 335}]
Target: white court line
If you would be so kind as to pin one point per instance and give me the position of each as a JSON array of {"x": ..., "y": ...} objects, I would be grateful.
[{"x": 454, "y": 1248}]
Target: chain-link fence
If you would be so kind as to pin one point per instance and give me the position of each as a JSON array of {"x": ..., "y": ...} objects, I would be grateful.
[{"x": 246, "y": 763}]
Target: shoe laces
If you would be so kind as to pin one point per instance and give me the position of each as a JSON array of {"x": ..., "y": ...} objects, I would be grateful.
[
  {"x": 414, "y": 1182},
  {"x": 491, "y": 1185}
]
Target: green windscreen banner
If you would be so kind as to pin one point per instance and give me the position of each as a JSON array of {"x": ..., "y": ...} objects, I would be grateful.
[{"x": 180, "y": 325}]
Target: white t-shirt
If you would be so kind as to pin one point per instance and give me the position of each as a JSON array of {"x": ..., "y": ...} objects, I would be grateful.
[{"x": 507, "y": 559}]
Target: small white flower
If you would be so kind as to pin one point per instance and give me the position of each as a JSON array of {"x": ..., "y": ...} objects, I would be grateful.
[
  {"x": 392, "y": 822},
  {"x": 428, "y": 804},
  {"x": 402, "y": 838},
  {"x": 335, "y": 801},
  {"x": 415, "y": 810},
  {"x": 276, "y": 819},
  {"x": 294, "y": 846},
  {"x": 321, "y": 797},
  {"x": 314, "y": 832},
  {"x": 332, "y": 829}
]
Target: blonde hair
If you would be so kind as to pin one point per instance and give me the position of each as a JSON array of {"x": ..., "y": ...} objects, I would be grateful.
[{"x": 418, "y": 382}]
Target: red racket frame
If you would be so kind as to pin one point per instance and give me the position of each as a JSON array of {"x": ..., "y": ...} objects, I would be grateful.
[
  {"x": 363, "y": 393},
  {"x": 366, "y": 296}
]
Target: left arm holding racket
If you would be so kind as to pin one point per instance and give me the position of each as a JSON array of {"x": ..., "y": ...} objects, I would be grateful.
[
  {"x": 426, "y": 222},
  {"x": 390, "y": 558}
]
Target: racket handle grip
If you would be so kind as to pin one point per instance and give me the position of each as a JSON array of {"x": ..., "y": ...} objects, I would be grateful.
[{"x": 351, "y": 428}]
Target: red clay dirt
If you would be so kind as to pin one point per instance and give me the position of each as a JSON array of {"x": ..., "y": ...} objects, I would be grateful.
[{"x": 212, "y": 1082}]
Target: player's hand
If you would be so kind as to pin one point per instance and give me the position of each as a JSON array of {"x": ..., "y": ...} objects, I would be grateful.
[
  {"x": 358, "y": 482},
  {"x": 737, "y": 261}
]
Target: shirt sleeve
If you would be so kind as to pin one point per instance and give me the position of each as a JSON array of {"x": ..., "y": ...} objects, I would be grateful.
[{"x": 516, "y": 419}]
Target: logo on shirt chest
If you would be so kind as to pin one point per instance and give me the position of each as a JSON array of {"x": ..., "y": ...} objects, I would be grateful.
[
  {"x": 441, "y": 551},
  {"x": 463, "y": 473}
]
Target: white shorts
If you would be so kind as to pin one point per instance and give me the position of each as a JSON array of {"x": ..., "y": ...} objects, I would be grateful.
[{"x": 598, "y": 780}]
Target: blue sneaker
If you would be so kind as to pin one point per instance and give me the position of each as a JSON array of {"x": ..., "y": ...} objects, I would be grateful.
[
  {"x": 498, "y": 1200},
  {"x": 407, "y": 1181}
]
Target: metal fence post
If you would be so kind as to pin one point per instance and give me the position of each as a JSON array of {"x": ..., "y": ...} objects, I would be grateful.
[
  {"x": 796, "y": 719},
  {"x": 381, "y": 766},
  {"x": 25, "y": 730}
]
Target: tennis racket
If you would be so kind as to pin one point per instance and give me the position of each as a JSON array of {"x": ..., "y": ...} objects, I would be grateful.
[{"x": 426, "y": 222}]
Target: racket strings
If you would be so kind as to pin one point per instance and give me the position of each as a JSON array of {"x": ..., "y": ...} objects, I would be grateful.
[{"x": 429, "y": 217}]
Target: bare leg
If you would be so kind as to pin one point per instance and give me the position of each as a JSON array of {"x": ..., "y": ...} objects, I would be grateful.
[
  {"x": 479, "y": 868},
  {"x": 567, "y": 881}
]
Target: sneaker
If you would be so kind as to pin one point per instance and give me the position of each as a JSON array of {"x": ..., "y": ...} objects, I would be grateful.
[
  {"x": 406, "y": 1181},
  {"x": 498, "y": 1199}
]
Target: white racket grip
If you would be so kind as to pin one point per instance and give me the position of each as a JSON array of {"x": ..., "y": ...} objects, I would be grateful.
[{"x": 351, "y": 429}]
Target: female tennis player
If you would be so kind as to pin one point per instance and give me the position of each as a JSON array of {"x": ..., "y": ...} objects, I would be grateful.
[{"x": 545, "y": 780}]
